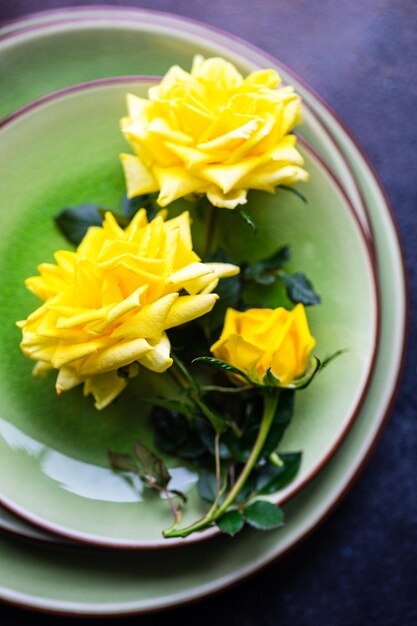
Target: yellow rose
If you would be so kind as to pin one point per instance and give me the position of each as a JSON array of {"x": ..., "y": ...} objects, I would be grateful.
[
  {"x": 260, "y": 339},
  {"x": 212, "y": 132},
  {"x": 108, "y": 304}
]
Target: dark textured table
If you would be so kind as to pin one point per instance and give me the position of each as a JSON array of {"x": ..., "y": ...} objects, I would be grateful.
[{"x": 360, "y": 567}]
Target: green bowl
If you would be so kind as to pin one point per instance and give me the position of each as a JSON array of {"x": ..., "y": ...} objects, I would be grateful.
[{"x": 64, "y": 151}]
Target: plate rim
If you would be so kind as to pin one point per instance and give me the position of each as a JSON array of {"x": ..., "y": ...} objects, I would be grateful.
[
  {"x": 394, "y": 382},
  {"x": 173, "y": 21},
  {"x": 48, "y": 19},
  {"x": 94, "y": 540}
]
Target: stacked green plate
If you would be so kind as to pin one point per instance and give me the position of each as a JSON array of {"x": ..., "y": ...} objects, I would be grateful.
[{"x": 62, "y": 492}]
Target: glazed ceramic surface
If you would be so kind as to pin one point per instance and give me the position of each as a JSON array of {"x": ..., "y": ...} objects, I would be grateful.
[
  {"x": 111, "y": 583},
  {"x": 35, "y": 44},
  {"x": 125, "y": 42},
  {"x": 61, "y": 442}
]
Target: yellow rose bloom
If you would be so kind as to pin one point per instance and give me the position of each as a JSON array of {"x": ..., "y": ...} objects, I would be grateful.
[
  {"x": 260, "y": 339},
  {"x": 212, "y": 132},
  {"x": 108, "y": 304}
]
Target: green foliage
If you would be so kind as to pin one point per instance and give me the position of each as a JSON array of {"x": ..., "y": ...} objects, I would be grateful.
[
  {"x": 269, "y": 379},
  {"x": 152, "y": 469},
  {"x": 304, "y": 381},
  {"x": 216, "y": 427},
  {"x": 296, "y": 192},
  {"x": 74, "y": 222},
  {"x": 328, "y": 359},
  {"x": 207, "y": 487},
  {"x": 174, "y": 406},
  {"x": 174, "y": 435},
  {"x": 264, "y": 515},
  {"x": 146, "y": 464},
  {"x": 231, "y": 522},
  {"x": 267, "y": 271},
  {"x": 244, "y": 215},
  {"x": 218, "y": 421},
  {"x": 122, "y": 462},
  {"x": 130, "y": 206},
  {"x": 300, "y": 289},
  {"x": 221, "y": 365},
  {"x": 271, "y": 478},
  {"x": 264, "y": 272}
]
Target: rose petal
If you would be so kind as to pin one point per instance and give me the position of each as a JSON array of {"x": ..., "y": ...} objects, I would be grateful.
[
  {"x": 139, "y": 179},
  {"x": 158, "y": 358},
  {"x": 105, "y": 388},
  {"x": 149, "y": 322},
  {"x": 188, "y": 308}
]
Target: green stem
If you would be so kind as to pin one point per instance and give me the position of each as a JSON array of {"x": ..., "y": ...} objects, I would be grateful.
[
  {"x": 206, "y": 388},
  {"x": 270, "y": 405},
  {"x": 175, "y": 512},
  {"x": 178, "y": 376},
  {"x": 217, "y": 459}
]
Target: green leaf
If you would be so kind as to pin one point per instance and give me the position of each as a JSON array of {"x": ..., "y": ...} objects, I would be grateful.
[
  {"x": 246, "y": 218},
  {"x": 272, "y": 478},
  {"x": 329, "y": 359},
  {"x": 184, "y": 370},
  {"x": 179, "y": 494},
  {"x": 269, "y": 379},
  {"x": 171, "y": 429},
  {"x": 256, "y": 274},
  {"x": 264, "y": 272},
  {"x": 207, "y": 437},
  {"x": 300, "y": 289},
  {"x": 264, "y": 515},
  {"x": 247, "y": 491},
  {"x": 153, "y": 470},
  {"x": 207, "y": 487},
  {"x": 218, "y": 421},
  {"x": 130, "y": 206},
  {"x": 74, "y": 222},
  {"x": 122, "y": 221},
  {"x": 121, "y": 462},
  {"x": 296, "y": 192},
  {"x": 231, "y": 522},
  {"x": 161, "y": 473},
  {"x": 314, "y": 366},
  {"x": 276, "y": 261},
  {"x": 171, "y": 405},
  {"x": 222, "y": 365},
  {"x": 192, "y": 449}
]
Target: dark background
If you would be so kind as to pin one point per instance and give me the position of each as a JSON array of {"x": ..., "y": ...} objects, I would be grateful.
[{"x": 360, "y": 567}]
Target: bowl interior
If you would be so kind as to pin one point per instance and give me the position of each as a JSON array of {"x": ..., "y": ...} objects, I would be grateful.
[{"x": 65, "y": 152}]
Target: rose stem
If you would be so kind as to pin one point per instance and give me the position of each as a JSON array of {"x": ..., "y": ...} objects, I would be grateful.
[
  {"x": 270, "y": 405},
  {"x": 217, "y": 457}
]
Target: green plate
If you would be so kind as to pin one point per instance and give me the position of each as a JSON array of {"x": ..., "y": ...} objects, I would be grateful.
[
  {"x": 110, "y": 583},
  {"x": 121, "y": 47},
  {"x": 61, "y": 442},
  {"x": 89, "y": 43}
]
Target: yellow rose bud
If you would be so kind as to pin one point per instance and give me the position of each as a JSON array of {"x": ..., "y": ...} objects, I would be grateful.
[
  {"x": 212, "y": 132},
  {"x": 108, "y": 304},
  {"x": 259, "y": 340}
]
